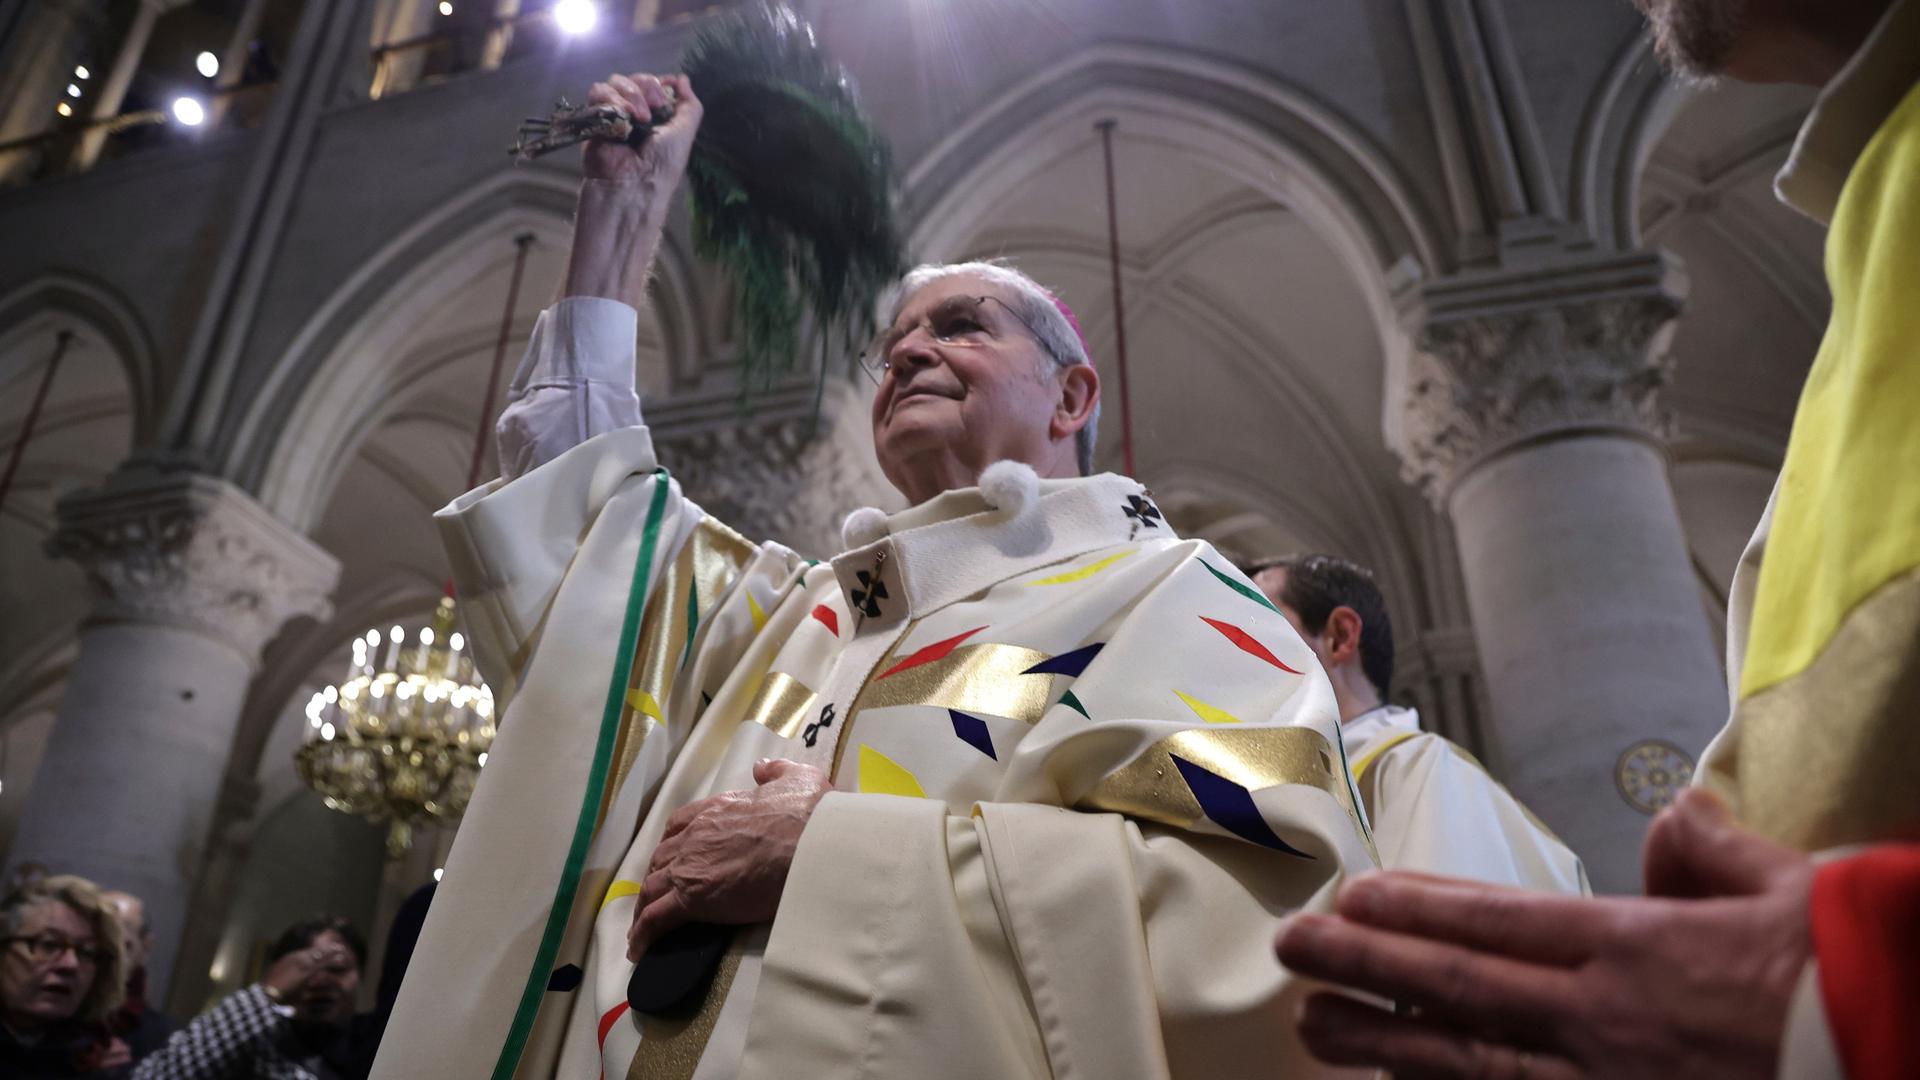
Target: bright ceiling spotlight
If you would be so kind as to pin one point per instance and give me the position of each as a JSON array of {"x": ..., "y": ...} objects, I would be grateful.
[
  {"x": 445, "y": 8},
  {"x": 576, "y": 16},
  {"x": 72, "y": 90},
  {"x": 189, "y": 111},
  {"x": 81, "y": 72},
  {"x": 208, "y": 64},
  {"x": 63, "y": 109}
]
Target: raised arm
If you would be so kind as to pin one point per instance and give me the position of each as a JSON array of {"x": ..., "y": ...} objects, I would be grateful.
[
  {"x": 625, "y": 196},
  {"x": 576, "y": 380}
]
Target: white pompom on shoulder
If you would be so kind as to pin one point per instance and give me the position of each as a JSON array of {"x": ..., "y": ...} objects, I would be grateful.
[
  {"x": 863, "y": 527},
  {"x": 1011, "y": 487}
]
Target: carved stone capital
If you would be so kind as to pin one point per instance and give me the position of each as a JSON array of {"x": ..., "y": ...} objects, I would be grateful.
[
  {"x": 1491, "y": 370},
  {"x": 779, "y": 475},
  {"x": 188, "y": 550}
]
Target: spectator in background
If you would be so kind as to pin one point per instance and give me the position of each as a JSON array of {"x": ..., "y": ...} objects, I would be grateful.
[
  {"x": 61, "y": 974},
  {"x": 296, "y": 1023},
  {"x": 141, "y": 1026},
  {"x": 402, "y": 936},
  {"x": 1430, "y": 804}
]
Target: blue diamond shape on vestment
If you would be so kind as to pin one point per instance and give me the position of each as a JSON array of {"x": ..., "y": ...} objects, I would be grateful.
[
  {"x": 973, "y": 731},
  {"x": 1231, "y": 807},
  {"x": 1068, "y": 663}
]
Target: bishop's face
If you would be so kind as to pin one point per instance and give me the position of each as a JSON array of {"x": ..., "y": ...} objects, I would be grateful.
[{"x": 963, "y": 383}]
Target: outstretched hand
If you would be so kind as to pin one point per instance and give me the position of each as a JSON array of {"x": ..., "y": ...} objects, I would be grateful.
[
  {"x": 1694, "y": 981},
  {"x": 725, "y": 859}
]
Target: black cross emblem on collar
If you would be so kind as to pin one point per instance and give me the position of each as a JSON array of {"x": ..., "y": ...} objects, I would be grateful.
[
  {"x": 1142, "y": 511},
  {"x": 872, "y": 590}
]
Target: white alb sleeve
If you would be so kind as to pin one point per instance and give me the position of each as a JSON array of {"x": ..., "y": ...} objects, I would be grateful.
[{"x": 575, "y": 382}]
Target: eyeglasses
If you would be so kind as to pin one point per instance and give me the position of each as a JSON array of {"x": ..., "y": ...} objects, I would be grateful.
[
  {"x": 958, "y": 322},
  {"x": 46, "y": 948}
]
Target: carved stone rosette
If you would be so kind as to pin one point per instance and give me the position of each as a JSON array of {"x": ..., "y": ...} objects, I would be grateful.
[
  {"x": 188, "y": 550},
  {"x": 1480, "y": 383},
  {"x": 778, "y": 478}
]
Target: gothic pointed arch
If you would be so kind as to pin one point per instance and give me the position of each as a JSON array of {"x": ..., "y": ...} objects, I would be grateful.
[
  {"x": 347, "y": 367},
  {"x": 1281, "y": 151},
  {"x": 91, "y": 309},
  {"x": 1628, "y": 113},
  {"x": 1278, "y": 137}
]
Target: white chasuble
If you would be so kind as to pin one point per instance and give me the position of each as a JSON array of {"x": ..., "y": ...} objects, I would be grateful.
[
  {"x": 1434, "y": 808},
  {"x": 1081, "y": 769}
]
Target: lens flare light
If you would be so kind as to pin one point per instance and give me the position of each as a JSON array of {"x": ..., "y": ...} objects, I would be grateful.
[{"x": 576, "y": 16}]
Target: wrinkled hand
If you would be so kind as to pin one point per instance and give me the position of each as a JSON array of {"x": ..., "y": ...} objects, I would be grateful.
[
  {"x": 1513, "y": 984},
  {"x": 290, "y": 974},
  {"x": 725, "y": 859},
  {"x": 664, "y": 155}
]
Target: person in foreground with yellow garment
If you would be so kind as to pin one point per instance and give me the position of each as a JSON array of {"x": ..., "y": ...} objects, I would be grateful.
[
  {"x": 1017, "y": 785},
  {"x": 1429, "y": 804},
  {"x": 1781, "y": 935}
]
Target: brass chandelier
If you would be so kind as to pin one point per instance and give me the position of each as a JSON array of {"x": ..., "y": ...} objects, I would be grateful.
[
  {"x": 402, "y": 740},
  {"x": 403, "y": 737}
]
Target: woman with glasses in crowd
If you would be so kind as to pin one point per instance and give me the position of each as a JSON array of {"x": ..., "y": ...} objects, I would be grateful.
[{"x": 60, "y": 976}]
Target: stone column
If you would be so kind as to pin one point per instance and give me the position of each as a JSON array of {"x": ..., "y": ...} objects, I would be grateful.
[
  {"x": 39, "y": 45},
  {"x": 191, "y": 578},
  {"x": 1531, "y": 418},
  {"x": 500, "y": 37},
  {"x": 113, "y": 89},
  {"x": 210, "y": 898},
  {"x": 233, "y": 60},
  {"x": 1439, "y": 667}
]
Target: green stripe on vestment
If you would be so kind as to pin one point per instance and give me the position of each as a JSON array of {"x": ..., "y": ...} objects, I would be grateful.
[
  {"x": 1251, "y": 594},
  {"x": 569, "y": 886}
]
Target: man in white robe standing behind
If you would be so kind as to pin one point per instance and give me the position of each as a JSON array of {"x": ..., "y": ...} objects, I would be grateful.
[
  {"x": 1431, "y": 805},
  {"x": 1019, "y": 785}
]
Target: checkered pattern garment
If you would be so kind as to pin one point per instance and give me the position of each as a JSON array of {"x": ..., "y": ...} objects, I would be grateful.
[{"x": 242, "y": 1038}]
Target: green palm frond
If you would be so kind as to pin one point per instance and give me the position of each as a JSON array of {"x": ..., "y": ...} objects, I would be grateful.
[{"x": 790, "y": 187}]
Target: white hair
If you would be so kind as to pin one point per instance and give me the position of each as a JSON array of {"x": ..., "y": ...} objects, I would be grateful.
[{"x": 1036, "y": 307}]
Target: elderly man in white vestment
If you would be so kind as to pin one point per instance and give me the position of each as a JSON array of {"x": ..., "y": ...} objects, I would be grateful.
[
  {"x": 1018, "y": 785},
  {"x": 1431, "y": 806}
]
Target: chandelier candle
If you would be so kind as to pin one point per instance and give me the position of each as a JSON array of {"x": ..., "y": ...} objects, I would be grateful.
[{"x": 402, "y": 743}]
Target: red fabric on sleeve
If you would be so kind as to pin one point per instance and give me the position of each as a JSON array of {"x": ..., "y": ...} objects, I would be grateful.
[{"x": 1866, "y": 934}]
